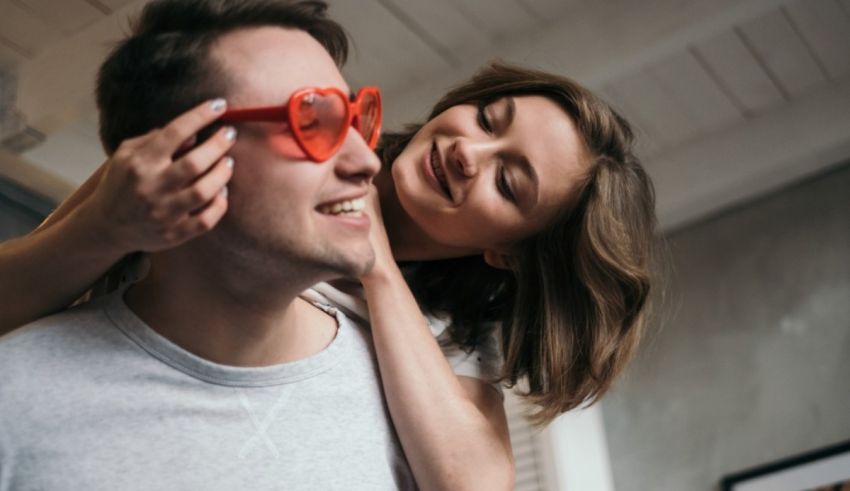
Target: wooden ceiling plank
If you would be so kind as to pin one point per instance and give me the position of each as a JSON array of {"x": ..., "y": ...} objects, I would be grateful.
[
  {"x": 549, "y": 11},
  {"x": 10, "y": 56},
  {"x": 778, "y": 46},
  {"x": 25, "y": 30},
  {"x": 452, "y": 31},
  {"x": 500, "y": 18},
  {"x": 719, "y": 82},
  {"x": 743, "y": 161},
  {"x": 55, "y": 84},
  {"x": 392, "y": 54},
  {"x": 611, "y": 39},
  {"x": 13, "y": 50},
  {"x": 69, "y": 16},
  {"x": 100, "y": 6},
  {"x": 115, "y": 4},
  {"x": 647, "y": 141},
  {"x": 734, "y": 66},
  {"x": 655, "y": 107},
  {"x": 686, "y": 82},
  {"x": 826, "y": 29},
  {"x": 424, "y": 34},
  {"x": 412, "y": 103}
]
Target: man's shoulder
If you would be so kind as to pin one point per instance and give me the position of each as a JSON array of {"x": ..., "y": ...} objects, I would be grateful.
[
  {"x": 63, "y": 332},
  {"x": 51, "y": 369}
]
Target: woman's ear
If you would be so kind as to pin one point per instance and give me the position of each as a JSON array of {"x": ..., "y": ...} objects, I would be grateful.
[{"x": 497, "y": 259}]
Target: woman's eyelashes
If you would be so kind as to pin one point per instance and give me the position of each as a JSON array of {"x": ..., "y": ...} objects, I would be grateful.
[
  {"x": 483, "y": 119},
  {"x": 504, "y": 185},
  {"x": 502, "y": 182}
]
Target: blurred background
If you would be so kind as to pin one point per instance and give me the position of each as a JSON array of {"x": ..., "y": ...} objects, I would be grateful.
[{"x": 743, "y": 115}]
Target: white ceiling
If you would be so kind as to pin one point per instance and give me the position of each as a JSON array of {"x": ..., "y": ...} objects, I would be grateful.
[{"x": 732, "y": 98}]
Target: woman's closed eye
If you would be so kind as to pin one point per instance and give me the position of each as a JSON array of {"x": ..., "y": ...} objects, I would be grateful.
[
  {"x": 483, "y": 119},
  {"x": 502, "y": 181},
  {"x": 504, "y": 185}
]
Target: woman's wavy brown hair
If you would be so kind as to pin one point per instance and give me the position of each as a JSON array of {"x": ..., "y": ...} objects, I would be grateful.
[{"x": 574, "y": 303}]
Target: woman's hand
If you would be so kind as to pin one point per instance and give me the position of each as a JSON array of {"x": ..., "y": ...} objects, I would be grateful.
[
  {"x": 159, "y": 190},
  {"x": 155, "y": 192},
  {"x": 453, "y": 428},
  {"x": 385, "y": 264}
]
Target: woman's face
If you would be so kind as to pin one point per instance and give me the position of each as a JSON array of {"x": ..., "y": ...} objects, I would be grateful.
[{"x": 482, "y": 179}]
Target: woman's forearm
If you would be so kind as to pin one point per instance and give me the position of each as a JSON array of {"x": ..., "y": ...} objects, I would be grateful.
[
  {"x": 47, "y": 270},
  {"x": 156, "y": 191},
  {"x": 453, "y": 438}
]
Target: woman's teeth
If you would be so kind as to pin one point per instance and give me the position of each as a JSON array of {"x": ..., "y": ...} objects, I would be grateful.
[
  {"x": 438, "y": 171},
  {"x": 351, "y": 207}
]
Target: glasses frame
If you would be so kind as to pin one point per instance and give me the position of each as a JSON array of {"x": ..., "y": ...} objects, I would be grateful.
[{"x": 287, "y": 113}]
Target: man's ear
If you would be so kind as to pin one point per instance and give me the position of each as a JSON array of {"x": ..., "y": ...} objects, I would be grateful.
[{"x": 497, "y": 259}]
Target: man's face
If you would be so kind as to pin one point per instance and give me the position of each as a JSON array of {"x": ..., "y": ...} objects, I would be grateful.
[{"x": 279, "y": 201}]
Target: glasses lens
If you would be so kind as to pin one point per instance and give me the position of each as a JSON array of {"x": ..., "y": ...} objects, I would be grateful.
[
  {"x": 321, "y": 122},
  {"x": 369, "y": 120}
]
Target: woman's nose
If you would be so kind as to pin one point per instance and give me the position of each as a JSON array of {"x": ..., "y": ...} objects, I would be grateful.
[{"x": 466, "y": 158}]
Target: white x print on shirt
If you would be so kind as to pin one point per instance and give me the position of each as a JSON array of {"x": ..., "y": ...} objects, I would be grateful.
[{"x": 261, "y": 427}]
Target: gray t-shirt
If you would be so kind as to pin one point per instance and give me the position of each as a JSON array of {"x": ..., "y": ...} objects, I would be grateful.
[
  {"x": 484, "y": 362},
  {"x": 94, "y": 399}
]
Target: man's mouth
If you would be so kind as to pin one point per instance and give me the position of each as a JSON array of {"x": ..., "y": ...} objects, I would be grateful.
[
  {"x": 438, "y": 171},
  {"x": 350, "y": 207}
]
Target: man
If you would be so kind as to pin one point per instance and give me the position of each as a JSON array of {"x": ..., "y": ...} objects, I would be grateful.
[{"x": 211, "y": 373}]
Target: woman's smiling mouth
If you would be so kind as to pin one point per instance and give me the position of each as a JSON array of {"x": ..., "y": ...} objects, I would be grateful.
[{"x": 439, "y": 174}]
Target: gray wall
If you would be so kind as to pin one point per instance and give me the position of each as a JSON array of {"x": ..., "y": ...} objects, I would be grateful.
[
  {"x": 20, "y": 210},
  {"x": 752, "y": 363}
]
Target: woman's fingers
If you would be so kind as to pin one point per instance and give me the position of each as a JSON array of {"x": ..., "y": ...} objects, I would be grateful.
[
  {"x": 204, "y": 220},
  {"x": 200, "y": 222},
  {"x": 131, "y": 194},
  {"x": 199, "y": 160},
  {"x": 202, "y": 191},
  {"x": 139, "y": 161},
  {"x": 168, "y": 140}
]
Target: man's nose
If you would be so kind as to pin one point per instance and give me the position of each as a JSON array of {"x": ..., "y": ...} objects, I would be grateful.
[{"x": 355, "y": 161}]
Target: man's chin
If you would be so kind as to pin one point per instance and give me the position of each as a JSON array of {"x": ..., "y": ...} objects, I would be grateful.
[
  {"x": 366, "y": 267},
  {"x": 356, "y": 267}
]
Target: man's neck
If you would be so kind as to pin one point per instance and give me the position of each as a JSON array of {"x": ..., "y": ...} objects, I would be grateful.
[{"x": 225, "y": 316}]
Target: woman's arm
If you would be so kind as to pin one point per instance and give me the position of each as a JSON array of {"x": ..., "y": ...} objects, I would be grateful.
[
  {"x": 47, "y": 270},
  {"x": 139, "y": 200},
  {"x": 453, "y": 429}
]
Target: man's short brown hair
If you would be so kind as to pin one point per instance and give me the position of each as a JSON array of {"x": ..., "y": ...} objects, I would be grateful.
[{"x": 164, "y": 67}]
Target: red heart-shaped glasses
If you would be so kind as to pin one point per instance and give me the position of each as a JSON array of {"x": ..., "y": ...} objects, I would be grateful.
[{"x": 319, "y": 118}]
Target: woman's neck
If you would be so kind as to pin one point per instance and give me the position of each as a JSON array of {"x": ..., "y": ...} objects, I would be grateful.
[{"x": 407, "y": 240}]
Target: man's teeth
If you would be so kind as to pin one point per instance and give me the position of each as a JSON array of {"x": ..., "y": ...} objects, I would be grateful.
[{"x": 353, "y": 206}]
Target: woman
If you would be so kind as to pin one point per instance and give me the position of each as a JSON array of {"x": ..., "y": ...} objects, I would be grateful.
[{"x": 518, "y": 209}]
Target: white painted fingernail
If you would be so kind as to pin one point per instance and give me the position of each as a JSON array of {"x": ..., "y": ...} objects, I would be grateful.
[
  {"x": 218, "y": 105},
  {"x": 228, "y": 161},
  {"x": 224, "y": 192},
  {"x": 230, "y": 133}
]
